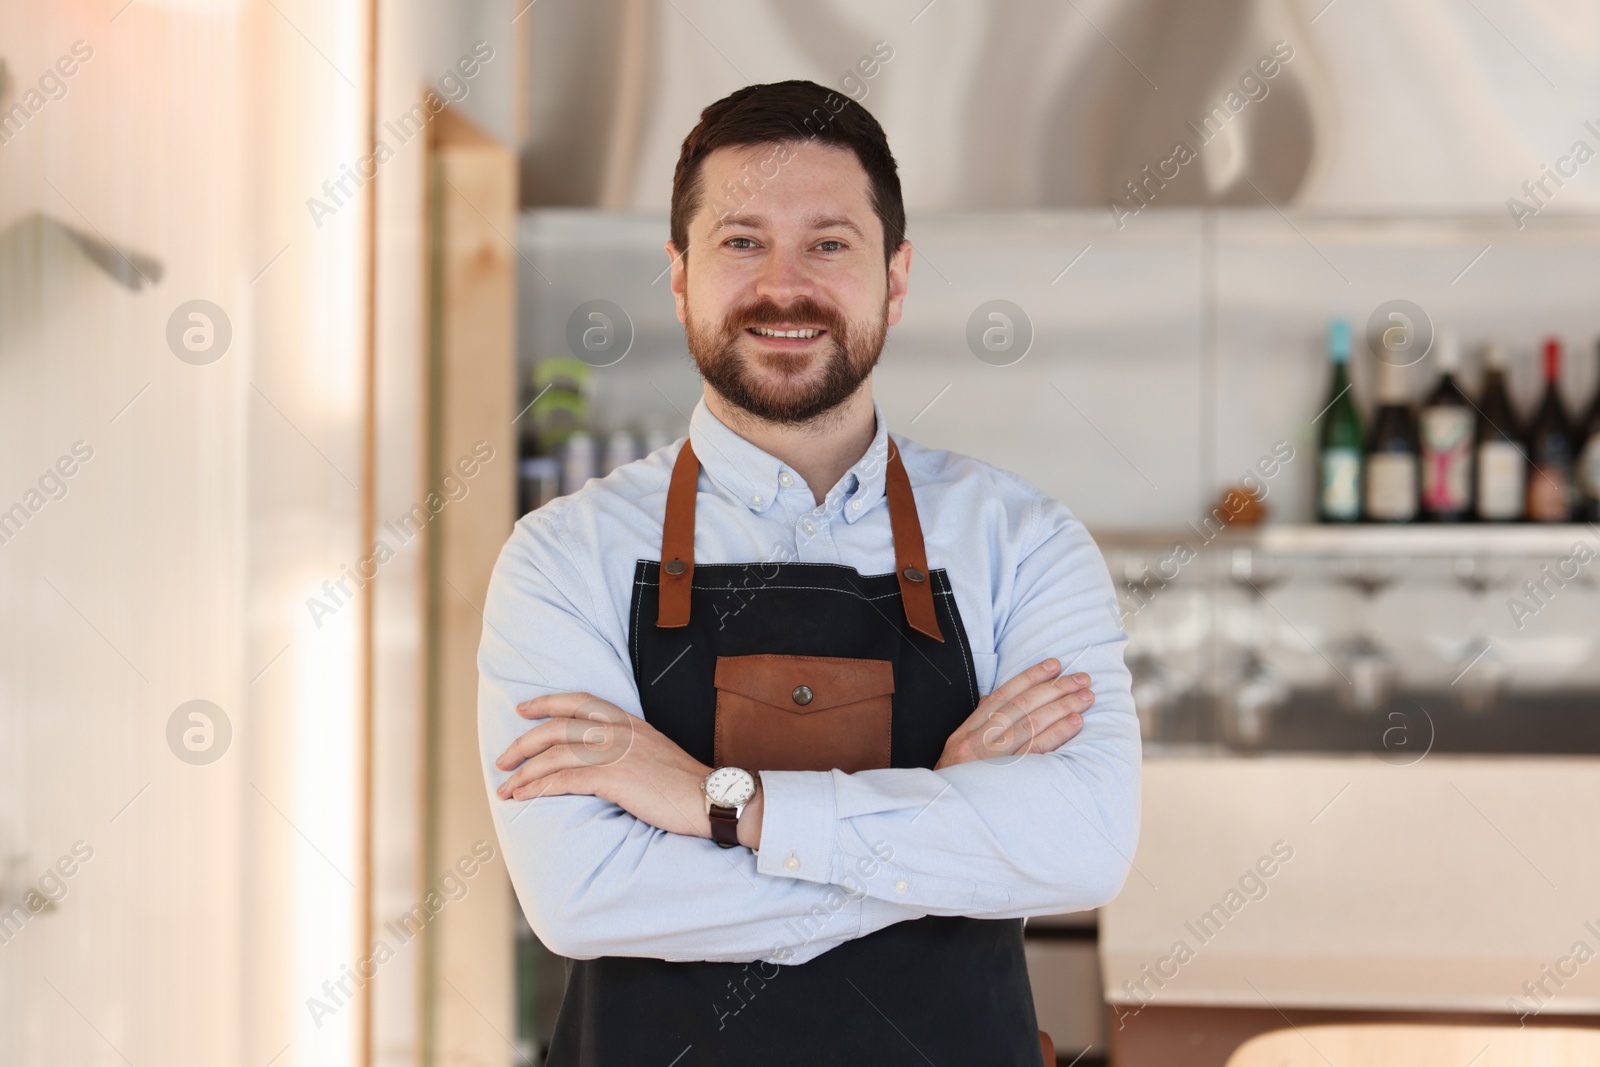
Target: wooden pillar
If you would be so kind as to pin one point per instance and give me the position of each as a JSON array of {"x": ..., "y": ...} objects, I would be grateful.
[{"x": 468, "y": 986}]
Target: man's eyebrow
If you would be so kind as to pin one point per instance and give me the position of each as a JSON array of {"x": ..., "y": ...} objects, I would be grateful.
[
  {"x": 836, "y": 222},
  {"x": 761, "y": 222},
  {"x": 741, "y": 222}
]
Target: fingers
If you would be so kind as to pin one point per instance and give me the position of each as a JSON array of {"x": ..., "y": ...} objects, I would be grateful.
[
  {"x": 1008, "y": 702},
  {"x": 1071, "y": 683},
  {"x": 1043, "y": 727},
  {"x": 547, "y": 735},
  {"x": 525, "y": 782},
  {"x": 990, "y": 726},
  {"x": 1057, "y": 733},
  {"x": 1064, "y": 686},
  {"x": 1067, "y": 708},
  {"x": 1039, "y": 672},
  {"x": 574, "y": 746},
  {"x": 1038, "y": 710},
  {"x": 1043, "y": 674},
  {"x": 563, "y": 747},
  {"x": 531, "y": 743},
  {"x": 567, "y": 705}
]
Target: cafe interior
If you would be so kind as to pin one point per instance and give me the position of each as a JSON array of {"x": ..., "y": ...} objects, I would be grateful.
[{"x": 1292, "y": 303}]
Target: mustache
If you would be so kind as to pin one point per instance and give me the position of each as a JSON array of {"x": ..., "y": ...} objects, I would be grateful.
[{"x": 803, "y": 312}]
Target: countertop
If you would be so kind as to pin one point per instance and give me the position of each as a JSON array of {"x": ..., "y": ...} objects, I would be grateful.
[{"x": 1444, "y": 884}]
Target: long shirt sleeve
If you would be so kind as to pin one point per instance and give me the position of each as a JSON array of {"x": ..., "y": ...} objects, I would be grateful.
[
  {"x": 593, "y": 879},
  {"x": 1005, "y": 837}
]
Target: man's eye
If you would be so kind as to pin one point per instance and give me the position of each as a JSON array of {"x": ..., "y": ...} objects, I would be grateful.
[
  {"x": 740, "y": 243},
  {"x": 831, "y": 246}
]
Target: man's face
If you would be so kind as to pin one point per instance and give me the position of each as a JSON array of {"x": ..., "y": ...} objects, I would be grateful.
[{"x": 798, "y": 251}]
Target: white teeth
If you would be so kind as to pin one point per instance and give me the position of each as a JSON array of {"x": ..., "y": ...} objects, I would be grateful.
[{"x": 765, "y": 332}]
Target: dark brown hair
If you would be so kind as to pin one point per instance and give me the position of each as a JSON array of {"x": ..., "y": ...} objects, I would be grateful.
[{"x": 782, "y": 113}]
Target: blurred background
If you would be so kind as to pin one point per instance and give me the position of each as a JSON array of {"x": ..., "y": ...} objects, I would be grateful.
[{"x": 275, "y": 275}]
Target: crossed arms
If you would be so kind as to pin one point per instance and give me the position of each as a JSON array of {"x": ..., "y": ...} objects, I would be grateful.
[{"x": 607, "y": 848}]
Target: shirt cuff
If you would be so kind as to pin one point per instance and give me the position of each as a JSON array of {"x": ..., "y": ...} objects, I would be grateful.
[{"x": 798, "y": 820}]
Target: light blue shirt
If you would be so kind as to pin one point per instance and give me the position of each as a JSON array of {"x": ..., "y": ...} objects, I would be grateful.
[{"x": 842, "y": 855}]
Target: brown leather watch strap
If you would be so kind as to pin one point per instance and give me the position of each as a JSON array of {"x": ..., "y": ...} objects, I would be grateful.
[
  {"x": 677, "y": 540},
  {"x": 724, "y": 825},
  {"x": 910, "y": 556}
]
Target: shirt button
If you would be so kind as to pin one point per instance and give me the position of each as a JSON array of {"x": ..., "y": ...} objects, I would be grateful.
[
  {"x": 785, "y": 479},
  {"x": 900, "y": 886},
  {"x": 792, "y": 863},
  {"x": 756, "y": 499},
  {"x": 809, "y": 527},
  {"x": 856, "y": 504}
]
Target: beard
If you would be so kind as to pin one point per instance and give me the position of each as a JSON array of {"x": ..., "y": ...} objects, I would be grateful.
[{"x": 794, "y": 389}]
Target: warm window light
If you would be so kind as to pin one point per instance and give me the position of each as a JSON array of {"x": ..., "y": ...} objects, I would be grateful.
[{"x": 323, "y": 807}]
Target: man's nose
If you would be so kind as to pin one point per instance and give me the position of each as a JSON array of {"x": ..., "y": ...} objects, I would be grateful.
[{"x": 784, "y": 277}]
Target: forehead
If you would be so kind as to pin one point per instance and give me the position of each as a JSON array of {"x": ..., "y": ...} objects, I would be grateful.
[{"x": 811, "y": 180}]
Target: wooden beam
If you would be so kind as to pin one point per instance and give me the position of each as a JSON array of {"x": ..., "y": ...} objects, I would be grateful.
[{"x": 468, "y": 974}]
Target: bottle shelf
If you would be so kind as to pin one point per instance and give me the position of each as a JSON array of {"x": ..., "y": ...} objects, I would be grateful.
[{"x": 1370, "y": 539}]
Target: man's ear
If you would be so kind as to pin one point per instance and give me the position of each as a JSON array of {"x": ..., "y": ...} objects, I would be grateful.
[
  {"x": 679, "y": 282},
  {"x": 899, "y": 281}
]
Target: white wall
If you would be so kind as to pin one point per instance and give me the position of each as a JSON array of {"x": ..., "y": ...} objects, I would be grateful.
[
  {"x": 1032, "y": 103},
  {"x": 219, "y": 498},
  {"x": 177, "y": 566}
]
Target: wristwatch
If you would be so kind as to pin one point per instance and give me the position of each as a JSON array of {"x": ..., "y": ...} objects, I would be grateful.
[{"x": 727, "y": 790}]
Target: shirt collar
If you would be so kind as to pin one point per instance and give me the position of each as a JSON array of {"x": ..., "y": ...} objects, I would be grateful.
[{"x": 752, "y": 475}]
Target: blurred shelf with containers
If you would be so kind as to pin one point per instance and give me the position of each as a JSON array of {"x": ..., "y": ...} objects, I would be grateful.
[
  {"x": 1450, "y": 458},
  {"x": 559, "y": 444},
  {"x": 1376, "y": 639}
]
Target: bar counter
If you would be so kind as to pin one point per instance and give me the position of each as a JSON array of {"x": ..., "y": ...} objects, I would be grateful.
[{"x": 1306, "y": 887}]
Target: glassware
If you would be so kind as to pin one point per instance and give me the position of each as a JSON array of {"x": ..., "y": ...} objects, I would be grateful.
[
  {"x": 1479, "y": 673},
  {"x": 1255, "y": 690},
  {"x": 1154, "y": 694},
  {"x": 1249, "y": 703},
  {"x": 1371, "y": 673}
]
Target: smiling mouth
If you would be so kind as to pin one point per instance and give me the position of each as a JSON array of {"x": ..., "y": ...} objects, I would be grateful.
[{"x": 799, "y": 334}]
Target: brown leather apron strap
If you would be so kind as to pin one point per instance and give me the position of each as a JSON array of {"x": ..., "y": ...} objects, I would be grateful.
[
  {"x": 911, "y": 558},
  {"x": 677, "y": 540}
]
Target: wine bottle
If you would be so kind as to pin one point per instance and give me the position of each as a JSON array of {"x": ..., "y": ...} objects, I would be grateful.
[
  {"x": 1339, "y": 447},
  {"x": 1445, "y": 427},
  {"x": 1391, "y": 467},
  {"x": 1589, "y": 457},
  {"x": 1550, "y": 448},
  {"x": 1502, "y": 459}
]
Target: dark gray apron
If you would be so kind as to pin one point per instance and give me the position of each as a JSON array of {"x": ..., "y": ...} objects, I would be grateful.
[{"x": 883, "y": 687}]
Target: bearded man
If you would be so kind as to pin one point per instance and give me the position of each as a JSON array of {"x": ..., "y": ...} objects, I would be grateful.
[{"x": 772, "y": 806}]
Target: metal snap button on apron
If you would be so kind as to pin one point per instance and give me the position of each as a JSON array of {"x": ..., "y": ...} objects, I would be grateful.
[
  {"x": 802, "y": 694},
  {"x": 914, "y": 575},
  {"x": 674, "y": 566}
]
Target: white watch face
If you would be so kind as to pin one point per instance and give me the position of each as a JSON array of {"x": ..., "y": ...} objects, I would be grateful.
[{"x": 730, "y": 786}]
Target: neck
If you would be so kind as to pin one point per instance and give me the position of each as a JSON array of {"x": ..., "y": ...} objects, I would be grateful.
[{"x": 821, "y": 450}]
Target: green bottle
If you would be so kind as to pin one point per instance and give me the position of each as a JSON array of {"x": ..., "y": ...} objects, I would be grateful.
[{"x": 1340, "y": 447}]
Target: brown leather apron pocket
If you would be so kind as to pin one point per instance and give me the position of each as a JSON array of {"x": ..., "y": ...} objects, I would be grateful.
[{"x": 803, "y": 713}]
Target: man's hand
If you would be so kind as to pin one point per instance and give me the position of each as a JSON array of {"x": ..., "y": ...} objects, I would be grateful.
[
  {"x": 1034, "y": 712},
  {"x": 591, "y": 747}
]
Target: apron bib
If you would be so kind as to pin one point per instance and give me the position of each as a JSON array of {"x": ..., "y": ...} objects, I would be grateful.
[{"x": 806, "y": 666}]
